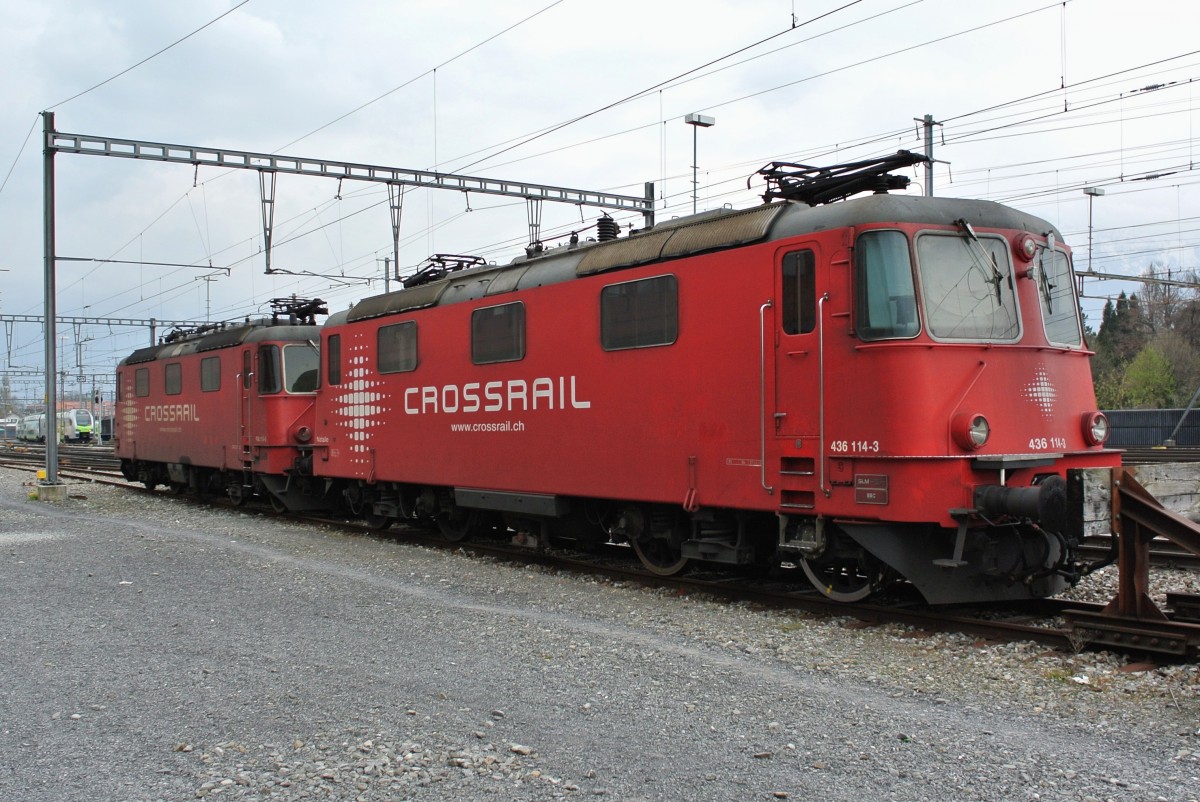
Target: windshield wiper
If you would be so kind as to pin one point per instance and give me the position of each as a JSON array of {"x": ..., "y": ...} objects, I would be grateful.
[{"x": 982, "y": 258}]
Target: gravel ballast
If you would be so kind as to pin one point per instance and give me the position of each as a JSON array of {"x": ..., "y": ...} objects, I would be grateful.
[{"x": 155, "y": 649}]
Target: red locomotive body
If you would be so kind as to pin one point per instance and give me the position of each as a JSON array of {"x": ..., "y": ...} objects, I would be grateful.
[
  {"x": 890, "y": 384},
  {"x": 226, "y": 410}
]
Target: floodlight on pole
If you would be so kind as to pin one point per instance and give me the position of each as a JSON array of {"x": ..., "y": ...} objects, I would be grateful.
[{"x": 697, "y": 121}]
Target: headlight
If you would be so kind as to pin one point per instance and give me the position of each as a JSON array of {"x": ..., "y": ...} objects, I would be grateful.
[
  {"x": 1026, "y": 248},
  {"x": 1095, "y": 428},
  {"x": 970, "y": 430}
]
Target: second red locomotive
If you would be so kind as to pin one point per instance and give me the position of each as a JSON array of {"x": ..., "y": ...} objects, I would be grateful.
[{"x": 225, "y": 409}]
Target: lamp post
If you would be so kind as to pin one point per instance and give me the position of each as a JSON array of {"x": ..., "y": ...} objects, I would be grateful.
[
  {"x": 697, "y": 121},
  {"x": 1092, "y": 193}
]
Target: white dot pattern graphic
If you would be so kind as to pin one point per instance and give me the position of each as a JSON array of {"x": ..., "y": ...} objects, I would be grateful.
[
  {"x": 359, "y": 406},
  {"x": 1041, "y": 392},
  {"x": 128, "y": 411}
]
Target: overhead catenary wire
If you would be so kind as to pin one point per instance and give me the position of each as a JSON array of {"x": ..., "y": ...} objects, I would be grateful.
[
  {"x": 709, "y": 63},
  {"x": 110, "y": 79},
  {"x": 431, "y": 71},
  {"x": 297, "y": 237},
  {"x": 328, "y": 124},
  {"x": 650, "y": 89}
]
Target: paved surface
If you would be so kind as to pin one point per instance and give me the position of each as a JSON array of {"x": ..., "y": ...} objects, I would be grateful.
[{"x": 163, "y": 651}]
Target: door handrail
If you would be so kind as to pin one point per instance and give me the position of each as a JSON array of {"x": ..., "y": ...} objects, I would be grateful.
[
  {"x": 821, "y": 389},
  {"x": 762, "y": 396}
]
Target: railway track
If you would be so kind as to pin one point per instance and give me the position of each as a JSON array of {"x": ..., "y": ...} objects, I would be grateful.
[
  {"x": 1048, "y": 622},
  {"x": 98, "y": 458}
]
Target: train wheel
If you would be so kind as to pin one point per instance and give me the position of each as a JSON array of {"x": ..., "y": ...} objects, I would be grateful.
[
  {"x": 376, "y": 521},
  {"x": 277, "y": 503},
  {"x": 458, "y": 523},
  {"x": 660, "y": 555},
  {"x": 237, "y": 494},
  {"x": 845, "y": 578}
]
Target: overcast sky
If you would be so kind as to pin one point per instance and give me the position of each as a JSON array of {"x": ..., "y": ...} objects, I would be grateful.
[{"x": 467, "y": 87}]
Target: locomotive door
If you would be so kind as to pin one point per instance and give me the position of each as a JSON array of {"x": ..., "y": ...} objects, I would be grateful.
[{"x": 798, "y": 341}]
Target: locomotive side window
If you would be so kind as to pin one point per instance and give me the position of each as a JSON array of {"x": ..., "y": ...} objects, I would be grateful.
[
  {"x": 397, "y": 348},
  {"x": 141, "y": 382},
  {"x": 268, "y": 369},
  {"x": 639, "y": 314},
  {"x": 173, "y": 378},
  {"x": 799, "y": 292},
  {"x": 1060, "y": 313},
  {"x": 885, "y": 301},
  {"x": 210, "y": 374},
  {"x": 498, "y": 334},
  {"x": 966, "y": 284},
  {"x": 333, "y": 358},
  {"x": 247, "y": 371}
]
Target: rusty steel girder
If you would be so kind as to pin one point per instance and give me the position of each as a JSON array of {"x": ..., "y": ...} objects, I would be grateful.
[{"x": 1132, "y": 621}]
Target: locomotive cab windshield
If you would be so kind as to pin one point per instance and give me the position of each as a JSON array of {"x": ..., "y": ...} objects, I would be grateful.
[
  {"x": 967, "y": 288},
  {"x": 293, "y": 370},
  {"x": 1060, "y": 314}
]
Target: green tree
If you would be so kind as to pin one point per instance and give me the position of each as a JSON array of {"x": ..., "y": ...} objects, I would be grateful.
[
  {"x": 1110, "y": 390},
  {"x": 1184, "y": 359},
  {"x": 1149, "y": 382}
]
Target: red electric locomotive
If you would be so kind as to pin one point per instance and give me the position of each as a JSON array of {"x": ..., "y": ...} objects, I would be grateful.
[
  {"x": 886, "y": 385},
  {"x": 226, "y": 409}
]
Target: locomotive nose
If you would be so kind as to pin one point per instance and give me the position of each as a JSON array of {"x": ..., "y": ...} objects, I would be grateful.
[{"x": 1044, "y": 503}]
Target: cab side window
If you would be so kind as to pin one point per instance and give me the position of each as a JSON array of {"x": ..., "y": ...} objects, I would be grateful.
[
  {"x": 269, "y": 379},
  {"x": 885, "y": 298},
  {"x": 333, "y": 358}
]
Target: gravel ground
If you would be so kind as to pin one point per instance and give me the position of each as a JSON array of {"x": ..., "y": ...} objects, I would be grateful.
[{"x": 156, "y": 650}]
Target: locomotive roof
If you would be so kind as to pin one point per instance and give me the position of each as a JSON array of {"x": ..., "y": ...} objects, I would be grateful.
[
  {"x": 687, "y": 236},
  {"x": 225, "y": 338}
]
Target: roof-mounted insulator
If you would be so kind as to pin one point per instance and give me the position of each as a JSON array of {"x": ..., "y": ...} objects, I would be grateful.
[{"x": 607, "y": 229}]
